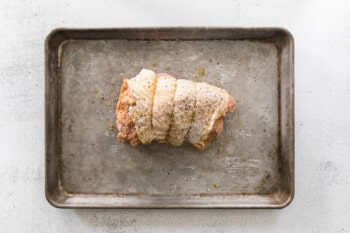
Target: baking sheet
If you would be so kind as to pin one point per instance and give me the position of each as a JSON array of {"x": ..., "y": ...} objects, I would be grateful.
[{"x": 250, "y": 165}]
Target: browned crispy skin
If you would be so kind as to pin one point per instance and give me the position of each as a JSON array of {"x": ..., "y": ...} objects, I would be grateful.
[{"x": 127, "y": 130}]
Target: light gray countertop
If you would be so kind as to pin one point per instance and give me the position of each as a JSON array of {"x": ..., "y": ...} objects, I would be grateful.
[{"x": 321, "y": 30}]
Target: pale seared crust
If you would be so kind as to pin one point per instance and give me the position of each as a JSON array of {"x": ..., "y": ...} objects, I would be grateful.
[
  {"x": 211, "y": 104},
  {"x": 218, "y": 126},
  {"x": 159, "y": 107},
  {"x": 184, "y": 100},
  {"x": 142, "y": 90},
  {"x": 163, "y": 106},
  {"x": 213, "y": 134}
]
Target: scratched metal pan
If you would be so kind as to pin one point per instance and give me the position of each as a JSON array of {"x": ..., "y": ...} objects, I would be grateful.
[{"x": 251, "y": 165}]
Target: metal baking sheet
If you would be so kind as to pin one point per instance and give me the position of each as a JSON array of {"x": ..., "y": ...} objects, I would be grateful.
[{"x": 251, "y": 164}]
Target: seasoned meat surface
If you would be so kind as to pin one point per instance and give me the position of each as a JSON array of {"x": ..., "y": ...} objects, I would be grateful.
[
  {"x": 125, "y": 125},
  {"x": 161, "y": 108},
  {"x": 184, "y": 100}
]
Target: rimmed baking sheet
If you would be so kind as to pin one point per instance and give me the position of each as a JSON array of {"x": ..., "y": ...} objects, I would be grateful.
[{"x": 251, "y": 165}]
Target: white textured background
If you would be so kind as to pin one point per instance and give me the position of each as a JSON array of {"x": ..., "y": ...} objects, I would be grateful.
[{"x": 322, "y": 93}]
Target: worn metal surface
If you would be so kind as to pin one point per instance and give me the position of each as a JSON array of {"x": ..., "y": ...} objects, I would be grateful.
[{"x": 251, "y": 162}]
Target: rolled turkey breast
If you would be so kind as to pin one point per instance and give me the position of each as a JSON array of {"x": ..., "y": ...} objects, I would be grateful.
[{"x": 159, "y": 107}]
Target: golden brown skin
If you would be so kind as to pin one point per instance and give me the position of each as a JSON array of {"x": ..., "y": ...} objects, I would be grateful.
[{"x": 127, "y": 130}]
